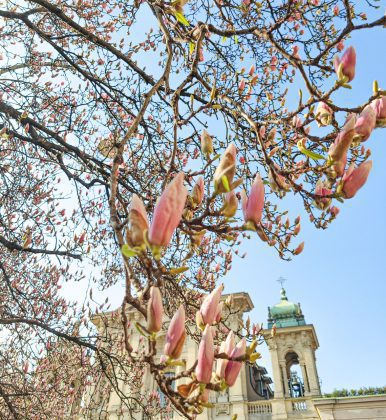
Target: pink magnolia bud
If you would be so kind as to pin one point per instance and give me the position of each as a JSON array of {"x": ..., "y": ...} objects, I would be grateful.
[
  {"x": 168, "y": 212},
  {"x": 209, "y": 307},
  {"x": 175, "y": 336},
  {"x": 365, "y": 123},
  {"x": 338, "y": 150},
  {"x": 254, "y": 204},
  {"x": 379, "y": 107},
  {"x": 154, "y": 310},
  {"x": 323, "y": 114},
  {"x": 345, "y": 66},
  {"x": 138, "y": 222},
  {"x": 252, "y": 70},
  {"x": 299, "y": 249},
  {"x": 233, "y": 368},
  {"x": 205, "y": 357},
  {"x": 226, "y": 347},
  {"x": 230, "y": 204},
  {"x": 256, "y": 328},
  {"x": 198, "y": 191},
  {"x": 206, "y": 143},
  {"x": 354, "y": 179},
  {"x": 334, "y": 210},
  {"x": 321, "y": 189},
  {"x": 242, "y": 85},
  {"x": 225, "y": 171},
  {"x": 296, "y": 121}
]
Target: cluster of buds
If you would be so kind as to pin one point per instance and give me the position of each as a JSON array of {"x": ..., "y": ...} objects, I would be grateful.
[
  {"x": 214, "y": 370},
  {"x": 166, "y": 217},
  {"x": 175, "y": 336},
  {"x": 252, "y": 205}
]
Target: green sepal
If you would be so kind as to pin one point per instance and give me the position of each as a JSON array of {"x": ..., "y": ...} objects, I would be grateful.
[
  {"x": 140, "y": 329},
  {"x": 181, "y": 18},
  {"x": 250, "y": 226},
  {"x": 341, "y": 76},
  {"x": 309, "y": 153},
  {"x": 225, "y": 183},
  {"x": 375, "y": 87},
  {"x": 128, "y": 252},
  {"x": 192, "y": 47}
]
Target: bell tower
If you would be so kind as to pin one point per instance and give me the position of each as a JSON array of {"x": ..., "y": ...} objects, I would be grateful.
[{"x": 292, "y": 344}]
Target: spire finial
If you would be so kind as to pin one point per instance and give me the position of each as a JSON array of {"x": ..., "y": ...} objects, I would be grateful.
[{"x": 282, "y": 280}]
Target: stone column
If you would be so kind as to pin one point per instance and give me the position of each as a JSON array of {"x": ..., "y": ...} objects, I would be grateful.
[
  {"x": 305, "y": 378},
  {"x": 285, "y": 380},
  {"x": 276, "y": 372},
  {"x": 313, "y": 378}
]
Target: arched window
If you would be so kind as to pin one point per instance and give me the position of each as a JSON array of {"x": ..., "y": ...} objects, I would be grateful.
[{"x": 294, "y": 375}]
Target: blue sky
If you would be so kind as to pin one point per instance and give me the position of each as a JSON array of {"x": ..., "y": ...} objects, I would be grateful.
[{"x": 340, "y": 278}]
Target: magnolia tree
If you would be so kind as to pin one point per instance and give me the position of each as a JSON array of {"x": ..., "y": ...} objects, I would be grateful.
[{"x": 143, "y": 141}]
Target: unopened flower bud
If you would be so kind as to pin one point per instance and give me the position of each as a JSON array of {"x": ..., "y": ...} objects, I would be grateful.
[
  {"x": 323, "y": 114},
  {"x": 175, "y": 337},
  {"x": 198, "y": 191},
  {"x": 209, "y": 307},
  {"x": 233, "y": 367},
  {"x": 365, "y": 123},
  {"x": 379, "y": 107},
  {"x": 299, "y": 249},
  {"x": 138, "y": 222},
  {"x": 230, "y": 205},
  {"x": 354, "y": 179},
  {"x": 206, "y": 143},
  {"x": 345, "y": 66},
  {"x": 205, "y": 357},
  {"x": 225, "y": 172},
  {"x": 154, "y": 310},
  {"x": 168, "y": 212},
  {"x": 254, "y": 204}
]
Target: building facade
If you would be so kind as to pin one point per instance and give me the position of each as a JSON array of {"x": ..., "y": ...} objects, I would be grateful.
[{"x": 296, "y": 395}]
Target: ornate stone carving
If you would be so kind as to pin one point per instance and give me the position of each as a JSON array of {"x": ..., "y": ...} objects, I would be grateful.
[{"x": 222, "y": 409}]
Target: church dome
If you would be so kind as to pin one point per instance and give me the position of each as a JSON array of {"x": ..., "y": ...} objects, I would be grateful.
[
  {"x": 285, "y": 313},
  {"x": 285, "y": 308}
]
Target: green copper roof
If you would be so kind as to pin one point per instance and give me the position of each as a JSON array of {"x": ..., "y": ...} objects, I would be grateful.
[{"x": 285, "y": 313}]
